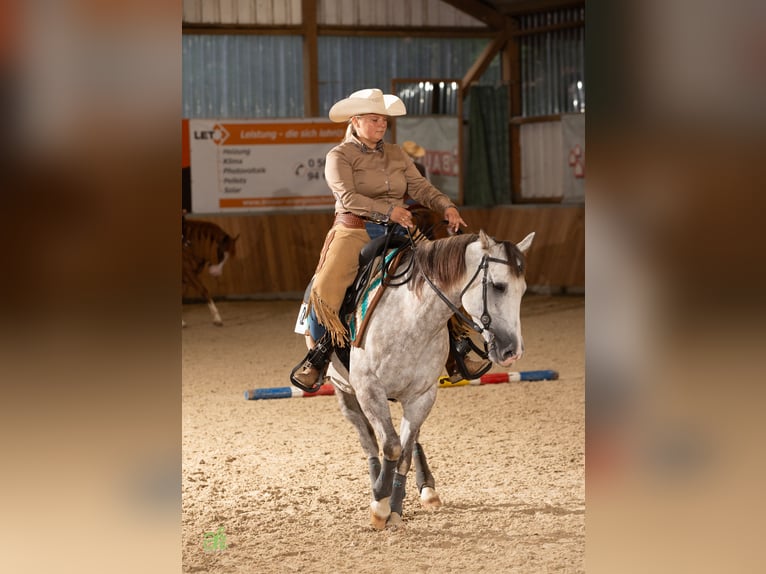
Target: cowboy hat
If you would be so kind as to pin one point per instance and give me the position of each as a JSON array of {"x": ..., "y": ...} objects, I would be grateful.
[
  {"x": 413, "y": 149},
  {"x": 370, "y": 101}
]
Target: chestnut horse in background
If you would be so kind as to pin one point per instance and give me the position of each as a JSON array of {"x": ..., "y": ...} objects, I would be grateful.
[{"x": 204, "y": 244}]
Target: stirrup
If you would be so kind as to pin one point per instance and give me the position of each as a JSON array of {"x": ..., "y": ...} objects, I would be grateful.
[
  {"x": 460, "y": 348},
  {"x": 318, "y": 358},
  {"x": 312, "y": 389}
]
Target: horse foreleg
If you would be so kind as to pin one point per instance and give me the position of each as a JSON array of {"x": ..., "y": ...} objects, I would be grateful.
[
  {"x": 374, "y": 406},
  {"x": 350, "y": 408},
  {"x": 380, "y": 507},
  {"x": 424, "y": 479}
]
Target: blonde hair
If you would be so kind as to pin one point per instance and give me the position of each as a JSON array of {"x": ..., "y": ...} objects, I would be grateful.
[{"x": 349, "y": 130}]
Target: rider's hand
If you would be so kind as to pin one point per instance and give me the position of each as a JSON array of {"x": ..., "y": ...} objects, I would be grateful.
[
  {"x": 402, "y": 216},
  {"x": 454, "y": 221}
]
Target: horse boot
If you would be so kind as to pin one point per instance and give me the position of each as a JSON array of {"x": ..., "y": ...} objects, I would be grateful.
[{"x": 308, "y": 374}]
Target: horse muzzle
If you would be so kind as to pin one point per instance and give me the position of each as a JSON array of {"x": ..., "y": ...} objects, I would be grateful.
[{"x": 505, "y": 354}]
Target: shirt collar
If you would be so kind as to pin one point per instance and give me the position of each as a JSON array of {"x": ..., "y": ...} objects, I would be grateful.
[{"x": 363, "y": 147}]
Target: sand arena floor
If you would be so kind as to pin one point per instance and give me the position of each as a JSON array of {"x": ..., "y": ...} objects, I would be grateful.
[{"x": 286, "y": 481}]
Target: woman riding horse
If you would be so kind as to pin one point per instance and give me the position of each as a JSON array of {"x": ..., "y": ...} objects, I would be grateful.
[{"x": 369, "y": 179}]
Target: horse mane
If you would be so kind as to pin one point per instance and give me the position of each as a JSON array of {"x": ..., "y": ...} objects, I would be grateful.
[{"x": 443, "y": 261}]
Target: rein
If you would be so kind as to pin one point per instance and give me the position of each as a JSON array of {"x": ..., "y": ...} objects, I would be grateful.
[{"x": 486, "y": 319}]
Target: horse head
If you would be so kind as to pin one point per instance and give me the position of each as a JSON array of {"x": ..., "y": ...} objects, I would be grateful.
[
  {"x": 492, "y": 296},
  {"x": 226, "y": 247}
]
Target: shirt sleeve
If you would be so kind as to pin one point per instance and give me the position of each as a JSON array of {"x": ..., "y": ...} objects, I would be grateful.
[
  {"x": 422, "y": 191},
  {"x": 339, "y": 175}
]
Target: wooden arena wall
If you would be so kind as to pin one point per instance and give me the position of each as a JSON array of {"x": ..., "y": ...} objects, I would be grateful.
[{"x": 277, "y": 253}]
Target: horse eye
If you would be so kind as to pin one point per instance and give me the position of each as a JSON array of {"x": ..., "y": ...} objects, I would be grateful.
[{"x": 499, "y": 287}]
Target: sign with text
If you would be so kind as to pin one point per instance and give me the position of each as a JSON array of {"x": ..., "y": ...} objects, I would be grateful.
[
  {"x": 251, "y": 165},
  {"x": 440, "y": 137}
]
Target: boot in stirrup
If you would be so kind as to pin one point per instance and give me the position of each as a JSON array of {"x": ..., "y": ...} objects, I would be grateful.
[
  {"x": 465, "y": 367},
  {"x": 308, "y": 374}
]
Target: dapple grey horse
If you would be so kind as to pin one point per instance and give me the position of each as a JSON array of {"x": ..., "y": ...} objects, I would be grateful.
[{"x": 402, "y": 353}]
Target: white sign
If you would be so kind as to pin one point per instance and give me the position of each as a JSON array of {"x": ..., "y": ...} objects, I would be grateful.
[{"x": 251, "y": 165}]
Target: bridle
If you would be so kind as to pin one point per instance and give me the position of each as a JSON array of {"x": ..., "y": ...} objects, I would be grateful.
[{"x": 486, "y": 319}]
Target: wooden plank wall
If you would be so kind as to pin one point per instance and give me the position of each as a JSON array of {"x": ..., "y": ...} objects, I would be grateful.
[{"x": 277, "y": 253}]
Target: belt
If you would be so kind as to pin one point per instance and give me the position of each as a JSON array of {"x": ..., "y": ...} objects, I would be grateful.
[{"x": 349, "y": 220}]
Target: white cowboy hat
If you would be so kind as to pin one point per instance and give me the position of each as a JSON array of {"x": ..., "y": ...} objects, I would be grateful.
[
  {"x": 413, "y": 149},
  {"x": 370, "y": 101}
]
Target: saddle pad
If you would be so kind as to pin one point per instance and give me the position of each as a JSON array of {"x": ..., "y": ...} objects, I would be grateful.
[{"x": 357, "y": 321}]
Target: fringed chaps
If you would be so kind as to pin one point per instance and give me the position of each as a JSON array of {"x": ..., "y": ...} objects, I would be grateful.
[{"x": 338, "y": 264}]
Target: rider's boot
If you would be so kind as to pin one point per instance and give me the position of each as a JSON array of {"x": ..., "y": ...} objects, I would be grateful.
[
  {"x": 309, "y": 373},
  {"x": 460, "y": 365}
]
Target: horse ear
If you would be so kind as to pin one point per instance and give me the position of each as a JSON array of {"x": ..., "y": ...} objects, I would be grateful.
[
  {"x": 525, "y": 243},
  {"x": 486, "y": 240}
]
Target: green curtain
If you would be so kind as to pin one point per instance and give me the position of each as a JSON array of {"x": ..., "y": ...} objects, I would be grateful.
[{"x": 488, "y": 179}]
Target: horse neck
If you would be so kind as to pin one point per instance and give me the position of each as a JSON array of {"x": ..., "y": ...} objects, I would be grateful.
[
  {"x": 204, "y": 239},
  {"x": 431, "y": 310},
  {"x": 450, "y": 266}
]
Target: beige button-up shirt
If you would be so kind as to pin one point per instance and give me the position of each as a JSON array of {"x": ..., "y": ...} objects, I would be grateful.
[{"x": 369, "y": 182}]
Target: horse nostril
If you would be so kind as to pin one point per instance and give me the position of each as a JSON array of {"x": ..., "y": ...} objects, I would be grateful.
[{"x": 513, "y": 349}]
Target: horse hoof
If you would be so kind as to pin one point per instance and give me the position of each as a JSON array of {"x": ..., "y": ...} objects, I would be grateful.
[
  {"x": 395, "y": 521},
  {"x": 380, "y": 511},
  {"x": 429, "y": 498},
  {"x": 218, "y": 323},
  {"x": 377, "y": 522}
]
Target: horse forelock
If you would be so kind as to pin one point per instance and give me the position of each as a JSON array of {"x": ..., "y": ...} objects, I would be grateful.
[{"x": 443, "y": 261}]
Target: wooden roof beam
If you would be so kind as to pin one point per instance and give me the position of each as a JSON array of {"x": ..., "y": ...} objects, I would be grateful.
[
  {"x": 480, "y": 11},
  {"x": 485, "y": 59},
  {"x": 310, "y": 59}
]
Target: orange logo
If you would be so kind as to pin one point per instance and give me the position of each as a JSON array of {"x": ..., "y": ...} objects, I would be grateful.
[{"x": 220, "y": 134}]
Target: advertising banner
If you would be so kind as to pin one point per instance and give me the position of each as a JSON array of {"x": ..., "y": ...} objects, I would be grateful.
[
  {"x": 253, "y": 165},
  {"x": 440, "y": 136}
]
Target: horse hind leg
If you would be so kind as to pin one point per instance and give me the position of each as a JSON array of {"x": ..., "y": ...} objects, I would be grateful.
[
  {"x": 397, "y": 498},
  {"x": 217, "y": 321},
  {"x": 192, "y": 280},
  {"x": 425, "y": 480},
  {"x": 399, "y": 486}
]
